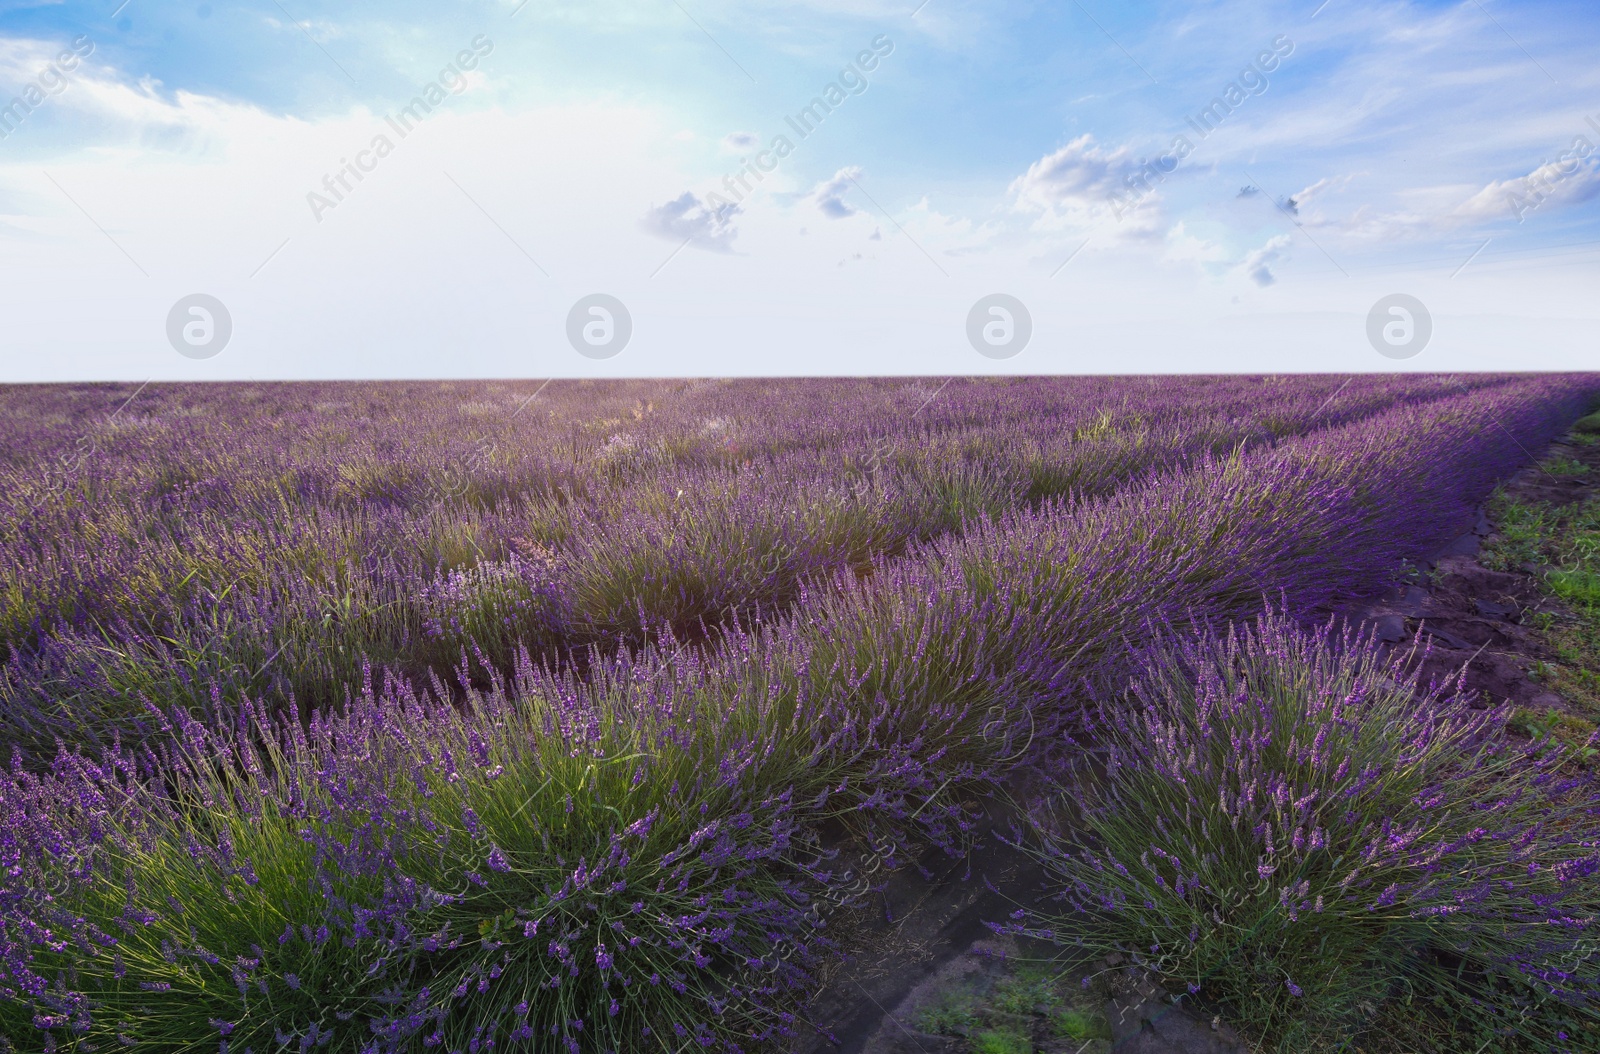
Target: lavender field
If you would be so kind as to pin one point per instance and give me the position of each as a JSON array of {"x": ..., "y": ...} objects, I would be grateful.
[{"x": 522, "y": 716}]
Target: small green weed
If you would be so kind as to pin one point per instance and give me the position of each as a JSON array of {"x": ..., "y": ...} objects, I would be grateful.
[
  {"x": 954, "y": 1017},
  {"x": 1080, "y": 1025},
  {"x": 1524, "y": 530},
  {"x": 1570, "y": 731},
  {"x": 1027, "y": 992},
  {"x": 1561, "y": 465},
  {"x": 1002, "y": 1041},
  {"x": 1032, "y": 1001},
  {"x": 1576, "y": 587}
]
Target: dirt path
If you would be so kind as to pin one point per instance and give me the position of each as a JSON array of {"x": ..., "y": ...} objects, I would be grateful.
[
  {"x": 920, "y": 947},
  {"x": 1469, "y": 614}
]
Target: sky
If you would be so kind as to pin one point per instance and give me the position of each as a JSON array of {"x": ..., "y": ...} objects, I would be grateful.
[{"x": 297, "y": 189}]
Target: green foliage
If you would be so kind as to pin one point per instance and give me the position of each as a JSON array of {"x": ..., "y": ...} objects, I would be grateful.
[
  {"x": 1565, "y": 542},
  {"x": 1581, "y": 587},
  {"x": 1025, "y": 992},
  {"x": 1588, "y": 425},
  {"x": 1573, "y": 733},
  {"x": 949, "y": 1017},
  {"x": 1080, "y": 1025},
  {"x": 1002, "y": 1041},
  {"x": 1524, "y": 531},
  {"x": 1565, "y": 466},
  {"x": 1030, "y": 1000}
]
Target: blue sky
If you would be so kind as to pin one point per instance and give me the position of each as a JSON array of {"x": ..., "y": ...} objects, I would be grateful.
[{"x": 1389, "y": 147}]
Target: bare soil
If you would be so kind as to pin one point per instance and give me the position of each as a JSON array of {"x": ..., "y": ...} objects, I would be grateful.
[{"x": 1466, "y": 614}]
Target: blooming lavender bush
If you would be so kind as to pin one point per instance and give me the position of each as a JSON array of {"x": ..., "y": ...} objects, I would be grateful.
[
  {"x": 1292, "y": 825},
  {"x": 411, "y": 874}
]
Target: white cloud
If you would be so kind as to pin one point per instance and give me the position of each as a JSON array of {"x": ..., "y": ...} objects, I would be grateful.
[
  {"x": 1184, "y": 246},
  {"x": 1295, "y": 202},
  {"x": 687, "y": 218},
  {"x": 1084, "y": 186},
  {"x": 1080, "y": 175},
  {"x": 1216, "y": 259},
  {"x": 829, "y": 194},
  {"x": 1555, "y": 184},
  {"x": 321, "y": 30},
  {"x": 109, "y": 107},
  {"x": 1258, "y": 264},
  {"x": 1429, "y": 212}
]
